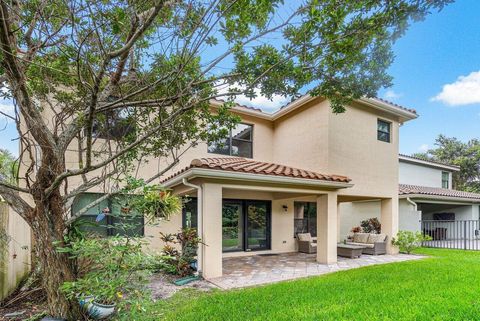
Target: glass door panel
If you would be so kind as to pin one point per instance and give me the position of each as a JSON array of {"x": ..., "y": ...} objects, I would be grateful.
[
  {"x": 232, "y": 226},
  {"x": 258, "y": 225}
]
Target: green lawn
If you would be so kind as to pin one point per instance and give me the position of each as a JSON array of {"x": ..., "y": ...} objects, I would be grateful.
[{"x": 445, "y": 286}]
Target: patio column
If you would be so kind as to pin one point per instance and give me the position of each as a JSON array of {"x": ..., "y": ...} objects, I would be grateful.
[
  {"x": 389, "y": 221},
  {"x": 212, "y": 230},
  {"x": 327, "y": 228}
]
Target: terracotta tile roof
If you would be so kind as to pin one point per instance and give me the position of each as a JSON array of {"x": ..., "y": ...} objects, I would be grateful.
[
  {"x": 428, "y": 160},
  {"x": 243, "y": 165},
  {"x": 375, "y": 98},
  {"x": 396, "y": 105},
  {"x": 240, "y": 105},
  {"x": 433, "y": 191}
]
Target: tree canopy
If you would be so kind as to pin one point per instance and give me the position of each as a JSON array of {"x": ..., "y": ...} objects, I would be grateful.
[
  {"x": 451, "y": 150},
  {"x": 111, "y": 84}
]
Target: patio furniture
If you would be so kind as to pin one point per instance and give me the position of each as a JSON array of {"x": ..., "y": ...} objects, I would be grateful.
[
  {"x": 374, "y": 244},
  {"x": 351, "y": 251},
  {"x": 306, "y": 243}
]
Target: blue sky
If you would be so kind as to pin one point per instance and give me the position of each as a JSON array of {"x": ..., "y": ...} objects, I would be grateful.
[{"x": 436, "y": 72}]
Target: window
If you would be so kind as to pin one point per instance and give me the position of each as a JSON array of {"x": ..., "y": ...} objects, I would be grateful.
[
  {"x": 305, "y": 218},
  {"x": 383, "y": 131},
  {"x": 121, "y": 220},
  {"x": 445, "y": 180},
  {"x": 238, "y": 142},
  {"x": 189, "y": 213},
  {"x": 114, "y": 124}
]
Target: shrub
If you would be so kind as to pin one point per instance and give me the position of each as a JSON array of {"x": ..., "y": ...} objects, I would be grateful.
[
  {"x": 180, "y": 262},
  {"x": 371, "y": 225},
  {"x": 408, "y": 241},
  {"x": 113, "y": 269}
]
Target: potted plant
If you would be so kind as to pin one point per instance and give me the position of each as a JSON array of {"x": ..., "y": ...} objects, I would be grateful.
[{"x": 105, "y": 278}]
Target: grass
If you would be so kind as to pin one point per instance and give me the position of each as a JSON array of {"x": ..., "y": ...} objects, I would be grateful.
[{"x": 444, "y": 286}]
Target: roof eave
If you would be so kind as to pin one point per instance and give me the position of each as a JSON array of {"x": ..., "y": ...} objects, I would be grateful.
[
  {"x": 428, "y": 163},
  {"x": 404, "y": 115},
  {"x": 440, "y": 198},
  {"x": 235, "y": 176}
]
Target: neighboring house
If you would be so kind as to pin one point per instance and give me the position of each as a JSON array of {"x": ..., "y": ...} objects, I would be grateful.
[
  {"x": 296, "y": 170},
  {"x": 427, "y": 202}
]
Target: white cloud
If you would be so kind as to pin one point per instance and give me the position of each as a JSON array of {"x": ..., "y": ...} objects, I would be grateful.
[
  {"x": 464, "y": 91},
  {"x": 8, "y": 109},
  {"x": 262, "y": 102},
  {"x": 424, "y": 148},
  {"x": 391, "y": 94}
]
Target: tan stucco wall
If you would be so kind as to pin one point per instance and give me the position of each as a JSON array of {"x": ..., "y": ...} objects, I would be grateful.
[
  {"x": 313, "y": 138},
  {"x": 355, "y": 151},
  {"x": 16, "y": 262},
  {"x": 301, "y": 138}
]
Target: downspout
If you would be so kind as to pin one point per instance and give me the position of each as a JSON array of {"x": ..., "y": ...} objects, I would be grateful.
[
  {"x": 415, "y": 206},
  {"x": 199, "y": 223},
  {"x": 413, "y": 203}
]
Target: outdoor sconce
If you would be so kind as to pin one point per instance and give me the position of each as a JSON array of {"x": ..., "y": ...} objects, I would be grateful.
[{"x": 285, "y": 208}]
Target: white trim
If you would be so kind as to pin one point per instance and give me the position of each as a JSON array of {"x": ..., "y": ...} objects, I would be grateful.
[
  {"x": 422, "y": 198},
  {"x": 292, "y": 106},
  {"x": 408, "y": 159},
  {"x": 229, "y": 175},
  {"x": 392, "y": 109},
  {"x": 403, "y": 114}
]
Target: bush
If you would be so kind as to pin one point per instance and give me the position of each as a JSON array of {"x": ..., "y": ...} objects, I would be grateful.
[
  {"x": 113, "y": 270},
  {"x": 372, "y": 225},
  {"x": 180, "y": 262},
  {"x": 408, "y": 241}
]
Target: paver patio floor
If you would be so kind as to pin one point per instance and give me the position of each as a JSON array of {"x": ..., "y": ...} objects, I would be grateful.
[{"x": 262, "y": 269}]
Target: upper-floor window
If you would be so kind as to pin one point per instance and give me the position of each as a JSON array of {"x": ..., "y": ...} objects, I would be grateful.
[
  {"x": 238, "y": 143},
  {"x": 384, "y": 131},
  {"x": 445, "y": 180}
]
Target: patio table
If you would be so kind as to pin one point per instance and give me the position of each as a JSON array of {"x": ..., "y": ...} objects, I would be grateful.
[{"x": 347, "y": 250}]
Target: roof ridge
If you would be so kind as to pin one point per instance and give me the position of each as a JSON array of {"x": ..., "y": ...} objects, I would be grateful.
[{"x": 428, "y": 160}]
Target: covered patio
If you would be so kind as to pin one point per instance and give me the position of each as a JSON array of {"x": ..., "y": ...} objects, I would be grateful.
[
  {"x": 241, "y": 207},
  {"x": 254, "y": 270}
]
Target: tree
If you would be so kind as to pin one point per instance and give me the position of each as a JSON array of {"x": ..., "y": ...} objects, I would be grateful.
[
  {"x": 101, "y": 87},
  {"x": 8, "y": 167},
  {"x": 450, "y": 150}
]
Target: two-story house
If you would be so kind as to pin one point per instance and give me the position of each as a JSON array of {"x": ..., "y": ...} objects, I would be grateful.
[
  {"x": 427, "y": 203},
  {"x": 290, "y": 171},
  {"x": 302, "y": 168}
]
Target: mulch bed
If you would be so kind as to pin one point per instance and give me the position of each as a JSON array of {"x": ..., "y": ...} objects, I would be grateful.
[
  {"x": 31, "y": 301},
  {"x": 162, "y": 286}
]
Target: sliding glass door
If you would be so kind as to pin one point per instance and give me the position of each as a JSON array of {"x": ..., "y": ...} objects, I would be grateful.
[
  {"x": 246, "y": 225},
  {"x": 232, "y": 226},
  {"x": 258, "y": 225}
]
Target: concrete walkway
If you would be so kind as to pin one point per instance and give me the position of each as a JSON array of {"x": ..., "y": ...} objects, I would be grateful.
[{"x": 262, "y": 269}]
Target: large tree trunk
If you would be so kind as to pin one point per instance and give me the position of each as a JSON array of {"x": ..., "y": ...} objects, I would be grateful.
[
  {"x": 55, "y": 267},
  {"x": 48, "y": 229}
]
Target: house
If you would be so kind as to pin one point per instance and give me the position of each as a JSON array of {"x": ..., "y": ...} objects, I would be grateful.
[
  {"x": 294, "y": 170},
  {"x": 300, "y": 169},
  {"x": 428, "y": 203}
]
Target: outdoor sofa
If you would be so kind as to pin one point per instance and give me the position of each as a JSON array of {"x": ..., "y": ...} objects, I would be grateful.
[{"x": 374, "y": 244}]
